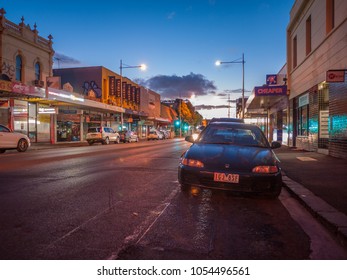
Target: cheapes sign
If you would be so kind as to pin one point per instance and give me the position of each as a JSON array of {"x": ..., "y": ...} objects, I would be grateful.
[{"x": 270, "y": 90}]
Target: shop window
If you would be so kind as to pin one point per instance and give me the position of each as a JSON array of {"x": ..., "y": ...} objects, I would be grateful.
[
  {"x": 19, "y": 68},
  {"x": 302, "y": 121},
  {"x": 37, "y": 71},
  {"x": 20, "y": 116}
]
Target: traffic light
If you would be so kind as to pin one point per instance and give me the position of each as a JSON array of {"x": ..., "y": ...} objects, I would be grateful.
[{"x": 177, "y": 123}]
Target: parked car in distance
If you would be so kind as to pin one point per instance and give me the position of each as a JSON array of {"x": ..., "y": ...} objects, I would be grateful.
[
  {"x": 166, "y": 134},
  {"x": 155, "y": 135},
  {"x": 103, "y": 135},
  {"x": 231, "y": 156},
  {"x": 227, "y": 120},
  {"x": 10, "y": 140},
  {"x": 128, "y": 136}
]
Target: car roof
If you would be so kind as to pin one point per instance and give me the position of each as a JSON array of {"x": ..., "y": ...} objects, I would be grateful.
[
  {"x": 227, "y": 120},
  {"x": 233, "y": 124}
]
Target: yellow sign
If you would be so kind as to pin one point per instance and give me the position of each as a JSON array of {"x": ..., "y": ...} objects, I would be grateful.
[{"x": 5, "y": 86}]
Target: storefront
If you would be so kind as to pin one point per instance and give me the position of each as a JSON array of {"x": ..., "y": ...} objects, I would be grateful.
[
  {"x": 268, "y": 104},
  {"x": 319, "y": 119},
  {"x": 23, "y": 109}
]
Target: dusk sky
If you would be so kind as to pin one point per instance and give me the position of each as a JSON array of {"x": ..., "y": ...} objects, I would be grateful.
[{"x": 179, "y": 41}]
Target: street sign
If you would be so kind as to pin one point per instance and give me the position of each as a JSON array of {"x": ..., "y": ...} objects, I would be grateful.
[{"x": 335, "y": 76}]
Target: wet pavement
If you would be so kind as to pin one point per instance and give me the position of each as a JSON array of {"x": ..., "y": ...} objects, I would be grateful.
[{"x": 317, "y": 180}]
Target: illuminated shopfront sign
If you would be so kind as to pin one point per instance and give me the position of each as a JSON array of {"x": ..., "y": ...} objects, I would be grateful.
[
  {"x": 270, "y": 90},
  {"x": 335, "y": 76},
  {"x": 17, "y": 87}
]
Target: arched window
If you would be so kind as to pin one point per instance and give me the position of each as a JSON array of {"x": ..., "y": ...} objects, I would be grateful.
[
  {"x": 37, "y": 71},
  {"x": 19, "y": 67}
]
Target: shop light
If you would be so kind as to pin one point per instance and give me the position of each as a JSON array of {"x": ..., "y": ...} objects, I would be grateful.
[
  {"x": 67, "y": 96},
  {"x": 48, "y": 111}
]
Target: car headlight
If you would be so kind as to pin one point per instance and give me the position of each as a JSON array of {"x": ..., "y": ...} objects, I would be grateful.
[
  {"x": 192, "y": 163},
  {"x": 265, "y": 169}
]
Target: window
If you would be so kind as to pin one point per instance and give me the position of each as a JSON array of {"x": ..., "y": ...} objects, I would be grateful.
[
  {"x": 37, "y": 71},
  {"x": 308, "y": 35},
  {"x": 295, "y": 52},
  {"x": 330, "y": 15},
  {"x": 19, "y": 67},
  {"x": 303, "y": 121}
]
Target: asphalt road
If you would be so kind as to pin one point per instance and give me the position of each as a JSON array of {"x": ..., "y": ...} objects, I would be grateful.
[{"x": 123, "y": 202}]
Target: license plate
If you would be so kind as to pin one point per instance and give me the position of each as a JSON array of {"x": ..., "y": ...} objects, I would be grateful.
[{"x": 225, "y": 177}]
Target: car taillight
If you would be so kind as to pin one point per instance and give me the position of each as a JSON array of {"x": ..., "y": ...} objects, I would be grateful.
[
  {"x": 192, "y": 162},
  {"x": 265, "y": 169}
]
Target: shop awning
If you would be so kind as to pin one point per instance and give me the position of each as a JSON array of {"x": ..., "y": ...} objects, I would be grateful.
[
  {"x": 158, "y": 119},
  {"x": 56, "y": 95},
  {"x": 265, "y": 97}
]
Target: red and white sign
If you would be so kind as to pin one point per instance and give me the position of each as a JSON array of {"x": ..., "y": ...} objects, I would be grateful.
[{"x": 335, "y": 76}]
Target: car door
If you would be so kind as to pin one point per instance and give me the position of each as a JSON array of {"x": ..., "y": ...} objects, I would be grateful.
[
  {"x": 8, "y": 139},
  {"x": 113, "y": 134}
]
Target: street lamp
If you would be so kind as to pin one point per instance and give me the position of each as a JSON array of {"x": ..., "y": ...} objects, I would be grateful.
[
  {"x": 240, "y": 60},
  {"x": 121, "y": 67}
]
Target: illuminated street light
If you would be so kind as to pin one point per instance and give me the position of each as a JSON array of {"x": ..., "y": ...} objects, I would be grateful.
[
  {"x": 240, "y": 60},
  {"x": 121, "y": 67}
]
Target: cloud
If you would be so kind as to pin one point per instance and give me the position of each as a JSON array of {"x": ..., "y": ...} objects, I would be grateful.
[
  {"x": 180, "y": 86},
  {"x": 210, "y": 107},
  {"x": 171, "y": 15},
  {"x": 239, "y": 90},
  {"x": 61, "y": 60}
]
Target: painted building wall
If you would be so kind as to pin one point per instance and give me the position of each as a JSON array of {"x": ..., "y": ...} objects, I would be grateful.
[
  {"x": 326, "y": 102},
  {"x": 328, "y": 50},
  {"x": 23, "y": 40}
]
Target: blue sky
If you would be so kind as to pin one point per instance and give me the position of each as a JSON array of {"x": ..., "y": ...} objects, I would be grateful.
[{"x": 179, "y": 40}]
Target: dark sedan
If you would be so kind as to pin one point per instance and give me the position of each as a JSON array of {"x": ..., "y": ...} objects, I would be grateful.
[{"x": 231, "y": 156}]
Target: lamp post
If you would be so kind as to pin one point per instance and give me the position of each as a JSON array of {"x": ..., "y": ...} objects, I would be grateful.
[
  {"x": 121, "y": 67},
  {"x": 240, "y": 60}
]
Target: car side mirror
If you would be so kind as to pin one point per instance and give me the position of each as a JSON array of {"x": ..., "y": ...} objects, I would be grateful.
[
  {"x": 275, "y": 145},
  {"x": 189, "y": 139}
]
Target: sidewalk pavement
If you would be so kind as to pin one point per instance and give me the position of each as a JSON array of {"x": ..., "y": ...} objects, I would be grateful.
[{"x": 319, "y": 182}]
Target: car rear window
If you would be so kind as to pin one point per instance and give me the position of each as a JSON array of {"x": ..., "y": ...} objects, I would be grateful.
[
  {"x": 93, "y": 129},
  {"x": 240, "y": 135}
]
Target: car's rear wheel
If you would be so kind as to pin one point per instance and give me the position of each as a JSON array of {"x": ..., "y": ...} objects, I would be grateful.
[
  {"x": 90, "y": 143},
  {"x": 275, "y": 192},
  {"x": 22, "y": 145}
]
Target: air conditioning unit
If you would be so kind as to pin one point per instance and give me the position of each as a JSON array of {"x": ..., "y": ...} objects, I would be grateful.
[{"x": 39, "y": 83}]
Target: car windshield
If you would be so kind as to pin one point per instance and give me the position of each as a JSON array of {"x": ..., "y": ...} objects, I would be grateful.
[{"x": 234, "y": 135}]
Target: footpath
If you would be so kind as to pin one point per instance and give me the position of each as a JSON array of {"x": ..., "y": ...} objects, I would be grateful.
[{"x": 319, "y": 182}]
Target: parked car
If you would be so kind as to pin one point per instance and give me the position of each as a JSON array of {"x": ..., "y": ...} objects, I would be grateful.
[
  {"x": 155, "y": 135},
  {"x": 231, "y": 156},
  {"x": 10, "y": 140},
  {"x": 227, "y": 120},
  {"x": 166, "y": 134},
  {"x": 103, "y": 135},
  {"x": 128, "y": 136}
]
